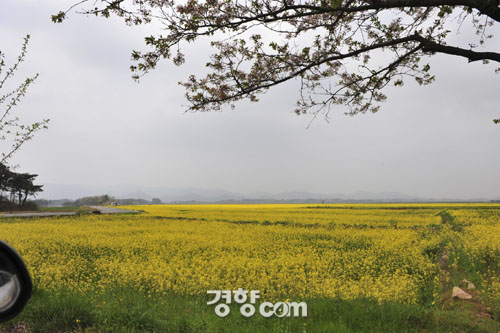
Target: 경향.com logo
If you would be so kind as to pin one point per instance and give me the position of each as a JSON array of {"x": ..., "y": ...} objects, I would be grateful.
[{"x": 248, "y": 304}]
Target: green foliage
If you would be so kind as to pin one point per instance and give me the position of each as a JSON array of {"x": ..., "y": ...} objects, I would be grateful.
[
  {"x": 51, "y": 312},
  {"x": 93, "y": 200},
  {"x": 447, "y": 219},
  {"x": 59, "y": 17},
  {"x": 129, "y": 311}
]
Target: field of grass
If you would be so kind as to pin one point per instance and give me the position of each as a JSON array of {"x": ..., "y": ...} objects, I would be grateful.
[{"x": 369, "y": 267}]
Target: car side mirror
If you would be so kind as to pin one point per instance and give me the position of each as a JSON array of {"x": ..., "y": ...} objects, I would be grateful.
[{"x": 15, "y": 283}]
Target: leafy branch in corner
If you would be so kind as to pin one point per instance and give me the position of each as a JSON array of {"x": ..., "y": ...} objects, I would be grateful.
[{"x": 12, "y": 130}]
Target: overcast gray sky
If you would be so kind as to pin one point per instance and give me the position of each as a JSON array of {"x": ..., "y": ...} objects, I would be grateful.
[{"x": 433, "y": 141}]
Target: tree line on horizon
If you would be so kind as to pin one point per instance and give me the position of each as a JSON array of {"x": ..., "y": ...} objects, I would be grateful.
[{"x": 96, "y": 200}]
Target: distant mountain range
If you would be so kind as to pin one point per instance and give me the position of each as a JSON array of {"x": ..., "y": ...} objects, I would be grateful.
[{"x": 192, "y": 194}]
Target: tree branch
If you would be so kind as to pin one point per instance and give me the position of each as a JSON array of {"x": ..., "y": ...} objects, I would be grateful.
[
  {"x": 431, "y": 46},
  {"x": 489, "y": 7}
]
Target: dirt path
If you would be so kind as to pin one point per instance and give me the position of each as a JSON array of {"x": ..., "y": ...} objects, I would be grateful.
[
  {"x": 35, "y": 214},
  {"x": 113, "y": 210},
  {"x": 96, "y": 209}
]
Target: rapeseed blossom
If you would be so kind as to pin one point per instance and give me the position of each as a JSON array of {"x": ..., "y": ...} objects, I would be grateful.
[{"x": 383, "y": 252}]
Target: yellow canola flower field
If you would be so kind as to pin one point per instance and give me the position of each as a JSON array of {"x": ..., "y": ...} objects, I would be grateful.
[{"x": 384, "y": 252}]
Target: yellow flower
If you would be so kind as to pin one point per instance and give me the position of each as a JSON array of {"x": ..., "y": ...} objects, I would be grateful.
[{"x": 285, "y": 251}]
